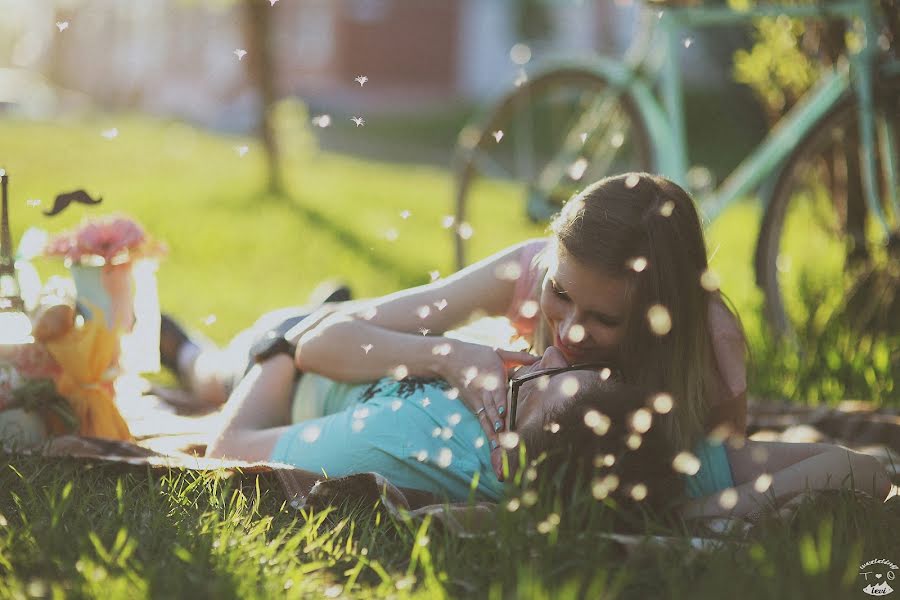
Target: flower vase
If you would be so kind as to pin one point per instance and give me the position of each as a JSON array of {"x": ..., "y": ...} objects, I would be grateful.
[
  {"x": 127, "y": 294},
  {"x": 108, "y": 288}
]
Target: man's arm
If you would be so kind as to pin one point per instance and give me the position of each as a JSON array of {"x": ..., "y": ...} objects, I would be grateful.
[{"x": 830, "y": 470}]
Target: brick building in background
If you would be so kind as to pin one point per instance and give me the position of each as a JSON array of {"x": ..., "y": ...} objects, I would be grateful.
[{"x": 176, "y": 58}]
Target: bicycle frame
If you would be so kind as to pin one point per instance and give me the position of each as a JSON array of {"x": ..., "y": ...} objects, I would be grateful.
[{"x": 666, "y": 125}]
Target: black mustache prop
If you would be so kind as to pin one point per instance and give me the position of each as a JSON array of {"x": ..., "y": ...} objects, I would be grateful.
[{"x": 63, "y": 200}]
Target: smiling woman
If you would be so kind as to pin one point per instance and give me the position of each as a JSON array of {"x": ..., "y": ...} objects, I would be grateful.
[{"x": 626, "y": 279}]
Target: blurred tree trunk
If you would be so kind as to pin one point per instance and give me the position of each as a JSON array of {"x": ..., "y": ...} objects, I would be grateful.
[{"x": 261, "y": 71}]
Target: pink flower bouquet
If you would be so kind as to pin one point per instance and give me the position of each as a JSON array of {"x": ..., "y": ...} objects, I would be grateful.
[{"x": 100, "y": 241}]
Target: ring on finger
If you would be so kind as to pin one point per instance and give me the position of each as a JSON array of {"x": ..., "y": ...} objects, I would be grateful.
[{"x": 480, "y": 411}]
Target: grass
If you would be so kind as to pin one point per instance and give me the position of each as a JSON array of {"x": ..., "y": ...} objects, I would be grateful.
[{"x": 71, "y": 530}]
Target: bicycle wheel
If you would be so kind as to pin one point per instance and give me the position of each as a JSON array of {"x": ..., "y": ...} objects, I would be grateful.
[
  {"x": 543, "y": 142},
  {"x": 820, "y": 255}
]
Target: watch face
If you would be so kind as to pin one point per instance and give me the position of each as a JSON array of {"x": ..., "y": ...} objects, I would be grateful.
[
  {"x": 270, "y": 345},
  {"x": 273, "y": 342}
]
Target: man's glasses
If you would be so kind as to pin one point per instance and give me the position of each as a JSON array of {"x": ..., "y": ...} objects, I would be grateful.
[{"x": 516, "y": 382}]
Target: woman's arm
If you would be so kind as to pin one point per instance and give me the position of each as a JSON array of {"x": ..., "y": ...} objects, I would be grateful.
[
  {"x": 370, "y": 339},
  {"x": 729, "y": 407},
  {"x": 485, "y": 288}
]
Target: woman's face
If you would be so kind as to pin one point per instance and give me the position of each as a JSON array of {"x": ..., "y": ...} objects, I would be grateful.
[{"x": 586, "y": 310}]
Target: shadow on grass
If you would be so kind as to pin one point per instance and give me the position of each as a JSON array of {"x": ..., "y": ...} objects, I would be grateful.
[{"x": 363, "y": 248}]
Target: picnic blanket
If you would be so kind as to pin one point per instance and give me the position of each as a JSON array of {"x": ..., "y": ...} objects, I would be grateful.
[{"x": 169, "y": 436}]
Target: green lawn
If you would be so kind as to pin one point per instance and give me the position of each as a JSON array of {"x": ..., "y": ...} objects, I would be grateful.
[{"x": 236, "y": 252}]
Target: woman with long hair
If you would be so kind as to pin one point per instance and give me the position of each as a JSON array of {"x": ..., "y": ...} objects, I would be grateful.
[{"x": 622, "y": 279}]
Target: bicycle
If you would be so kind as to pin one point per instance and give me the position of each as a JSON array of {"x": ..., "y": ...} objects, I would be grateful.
[{"x": 575, "y": 121}]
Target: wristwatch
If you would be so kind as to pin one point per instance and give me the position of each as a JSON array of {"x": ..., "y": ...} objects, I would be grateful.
[
  {"x": 273, "y": 342},
  {"x": 269, "y": 345}
]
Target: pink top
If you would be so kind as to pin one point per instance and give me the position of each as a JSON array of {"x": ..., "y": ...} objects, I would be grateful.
[{"x": 728, "y": 341}]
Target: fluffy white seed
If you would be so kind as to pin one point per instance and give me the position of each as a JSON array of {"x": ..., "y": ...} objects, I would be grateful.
[
  {"x": 569, "y": 386},
  {"x": 597, "y": 421},
  {"x": 659, "y": 319},
  {"x": 576, "y": 169},
  {"x": 709, "y": 280},
  {"x": 728, "y": 499},
  {"x": 445, "y": 457},
  {"x": 667, "y": 208},
  {"x": 520, "y": 54},
  {"x": 442, "y": 350},
  {"x": 639, "y": 491},
  {"x": 637, "y": 264},
  {"x": 663, "y": 403},
  {"x": 686, "y": 463},
  {"x": 641, "y": 420},
  {"x": 762, "y": 483},
  {"x": 490, "y": 382},
  {"x": 529, "y": 309},
  {"x": 509, "y": 271},
  {"x": 509, "y": 439},
  {"x": 576, "y": 333},
  {"x": 311, "y": 433}
]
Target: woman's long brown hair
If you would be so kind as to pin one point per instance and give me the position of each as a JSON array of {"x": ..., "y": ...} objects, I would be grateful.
[{"x": 606, "y": 227}]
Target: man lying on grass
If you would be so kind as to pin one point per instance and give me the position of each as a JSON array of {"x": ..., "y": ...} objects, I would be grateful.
[{"x": 607, "y": 435}]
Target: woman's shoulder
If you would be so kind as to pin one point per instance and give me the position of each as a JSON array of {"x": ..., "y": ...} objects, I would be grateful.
[
  {"x": 729, "y": 344},
  {"x": 527, "y": 251},
  {"x": 722, "y": 320},
  {"x": 533, "y": 246}
]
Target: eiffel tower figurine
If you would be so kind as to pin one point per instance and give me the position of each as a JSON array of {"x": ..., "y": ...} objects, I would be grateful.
[{"x": 15, "y": 326}]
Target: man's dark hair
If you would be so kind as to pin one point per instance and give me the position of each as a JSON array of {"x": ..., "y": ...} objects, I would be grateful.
[{"x": 597, "y": 424}]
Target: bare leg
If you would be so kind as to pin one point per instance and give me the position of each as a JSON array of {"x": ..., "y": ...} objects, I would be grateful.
[
  {"x": 210, "y": 373},
  {"x": 257, "y": 413},
  {"x": 788, "y": 471}
]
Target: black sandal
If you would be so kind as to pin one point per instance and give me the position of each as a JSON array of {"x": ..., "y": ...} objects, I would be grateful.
[{"x": 171, "y": 338}]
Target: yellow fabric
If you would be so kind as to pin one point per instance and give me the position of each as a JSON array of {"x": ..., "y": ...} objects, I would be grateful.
[{"x": 85, "y": 353}]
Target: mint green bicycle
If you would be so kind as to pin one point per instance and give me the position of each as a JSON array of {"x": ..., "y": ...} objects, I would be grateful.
[{"x": 827, "y": 173}]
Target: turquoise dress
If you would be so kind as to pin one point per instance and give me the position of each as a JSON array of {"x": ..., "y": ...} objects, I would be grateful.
[
  {"x": 409, "y": 431},
  {"x": 413, "y": 433},
  {"x": 715, "y": 471}
]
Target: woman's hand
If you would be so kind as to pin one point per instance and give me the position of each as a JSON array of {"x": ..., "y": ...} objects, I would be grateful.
[{"x": 479, "y": 372}]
